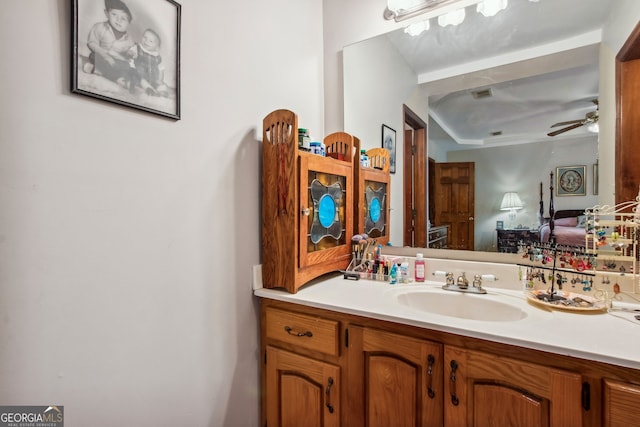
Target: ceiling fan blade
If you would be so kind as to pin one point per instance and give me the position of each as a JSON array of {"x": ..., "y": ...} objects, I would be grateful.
[
  {"x": 570, "y": 122},
  {"x": 568, "y": 128}
]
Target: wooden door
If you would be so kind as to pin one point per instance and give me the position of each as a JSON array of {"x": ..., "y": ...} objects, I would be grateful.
[
  {"x": 454, "y": 202},
  {"x": 485, "y": 390},
  {"x": 395, "y": 380},
  {"x": 621, "y": 406},
  {"x": 301, "y": 391}
]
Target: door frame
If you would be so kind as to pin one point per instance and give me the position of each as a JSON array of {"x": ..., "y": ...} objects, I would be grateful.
[{"x": 414, "y": 179}]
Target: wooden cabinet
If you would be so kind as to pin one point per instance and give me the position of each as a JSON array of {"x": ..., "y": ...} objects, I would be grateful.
[
  {"x": 484, "y": 390},
  {"x": 621, "y": 404},
  {"x": 439, "y": 237},
  {"x": 300, "y": 388},
  {"x": 307, "y": 205},
  {"x": 508, "y": 240},
  {"x": 323, "y": 368},
  {"x": 373, "y": 190},
  {"x": 301, "y": 391},
  {"x": 396, "y": 380}
]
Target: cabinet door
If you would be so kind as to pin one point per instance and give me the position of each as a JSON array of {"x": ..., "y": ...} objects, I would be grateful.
[
  {"x": 301, "y": 391},
  {"x": 326, "y": 198},
  {"x": 394, "y": 380},
  {"x": 621, "y": 404},
  {"x": 486, "y": 390}
]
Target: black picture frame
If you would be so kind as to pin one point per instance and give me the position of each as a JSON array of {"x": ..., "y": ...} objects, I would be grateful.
[
  {"x": 571, "y": 180},
  {"x": 132, "y": 72},
  {"x": 389, "y": 142}
]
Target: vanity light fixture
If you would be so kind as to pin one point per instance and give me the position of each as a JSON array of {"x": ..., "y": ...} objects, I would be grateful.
[
  {"x": 511, "y": 202},
  {"x": 491, "y": 7},
  {"x": 400, "y": 10}
]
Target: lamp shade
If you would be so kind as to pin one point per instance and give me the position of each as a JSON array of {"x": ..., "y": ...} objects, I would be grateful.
[{"x": 510, "y": 201}]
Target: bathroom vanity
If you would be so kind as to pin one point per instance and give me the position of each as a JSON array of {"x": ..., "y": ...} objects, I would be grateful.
[{"x": 364, "y": 353}]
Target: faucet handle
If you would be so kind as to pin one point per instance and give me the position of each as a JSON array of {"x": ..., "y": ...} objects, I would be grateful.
[
  {"x": 449, "y": 280},
  {"x": 477, "y": 281}
]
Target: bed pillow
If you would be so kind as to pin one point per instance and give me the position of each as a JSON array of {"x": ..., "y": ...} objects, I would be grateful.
[
  {"x": 582, "y": 221},
  {"x": 566, "y": 222}
]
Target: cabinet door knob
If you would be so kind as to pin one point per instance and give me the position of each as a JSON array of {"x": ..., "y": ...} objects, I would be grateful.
[
  {"x": 328, "y": 393},
  {"x": 452, "y": 383},
  {"x": 431, "y": 360},
  {"x": 290, "y": 331},
  {"x": 305, "y": 211}
]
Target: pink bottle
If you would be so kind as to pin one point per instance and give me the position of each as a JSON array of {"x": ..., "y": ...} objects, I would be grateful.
[{"x": 419, "y": 266}]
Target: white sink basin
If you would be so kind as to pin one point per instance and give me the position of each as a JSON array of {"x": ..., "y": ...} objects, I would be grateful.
[{"x": 485, "y": 307}]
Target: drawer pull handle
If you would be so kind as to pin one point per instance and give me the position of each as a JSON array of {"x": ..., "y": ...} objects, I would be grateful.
[
  {"x": 328, "y": 393},
  {"x": 431, "y": 361},
  {"x": 452, "y": 383},
  {"x": 290, "y": 331}
]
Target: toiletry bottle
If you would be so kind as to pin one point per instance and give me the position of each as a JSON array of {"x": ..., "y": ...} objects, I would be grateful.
[
  {"x": 393, "y": 274},
  {"x": 404, "y": 272},
  {"x": 419, "y": 268},
  {"x": 364, "y": 159}
]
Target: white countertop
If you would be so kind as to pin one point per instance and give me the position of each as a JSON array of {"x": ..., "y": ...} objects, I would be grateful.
[{"x": 605, "y": 337}]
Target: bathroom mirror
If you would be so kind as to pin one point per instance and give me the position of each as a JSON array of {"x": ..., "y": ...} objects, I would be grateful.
[{"x": 526, "y": 41}]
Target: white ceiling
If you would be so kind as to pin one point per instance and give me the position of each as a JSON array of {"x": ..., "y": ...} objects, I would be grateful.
[{"x": 540, "y": 60}]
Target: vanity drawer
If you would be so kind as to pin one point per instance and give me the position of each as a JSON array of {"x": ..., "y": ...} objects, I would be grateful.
[{"x": 310, "y": 332}]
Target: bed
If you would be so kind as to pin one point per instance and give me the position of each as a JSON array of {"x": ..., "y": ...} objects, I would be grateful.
[{"x": 564, "y": 227}]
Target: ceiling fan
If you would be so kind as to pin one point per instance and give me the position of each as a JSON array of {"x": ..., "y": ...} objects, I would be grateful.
[{"x": 591, "y": 118}]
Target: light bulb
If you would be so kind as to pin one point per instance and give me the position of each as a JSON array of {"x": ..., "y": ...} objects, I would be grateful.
[
  {"x": 454, "y": 17},
  {"x": 417, "y": 28},
  {"x": 491, "y": 7}
]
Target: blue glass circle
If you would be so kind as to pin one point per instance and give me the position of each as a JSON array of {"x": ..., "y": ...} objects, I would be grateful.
[
  {"x": 375, "y": 209},
  {"x": 326, "y": 210}
]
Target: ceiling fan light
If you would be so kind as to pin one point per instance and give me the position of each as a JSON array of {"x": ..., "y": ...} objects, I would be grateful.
[
  {"x": 417, "y": 28},
  {"x": 491, "y": 7},
  {"x": 593, "y": 127},
  {"x": 452, "y": 18}
]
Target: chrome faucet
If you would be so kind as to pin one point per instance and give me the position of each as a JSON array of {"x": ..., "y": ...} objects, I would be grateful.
[
  {"x": 461, "y": 284},
  {"x": 462, "y": 281}
]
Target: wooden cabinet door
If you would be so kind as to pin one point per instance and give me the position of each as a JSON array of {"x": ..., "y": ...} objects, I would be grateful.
[
  {"x": 326, "y": 223},
  {"x": 393, "y": 380},
  {"x": 621, "y": 406},
  {"x": 485, "y": 390},
  {"x": 301, "y": 391}
]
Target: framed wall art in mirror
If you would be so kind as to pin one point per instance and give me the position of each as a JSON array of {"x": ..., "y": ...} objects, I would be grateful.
[
  {"x": 128, "y": 52},
  {"x": 389, "y": 142},
  {"x": 571, "y": 181}
]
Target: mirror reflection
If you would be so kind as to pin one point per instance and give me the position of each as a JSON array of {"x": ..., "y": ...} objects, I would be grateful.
[{"x": 489, "y": 91}]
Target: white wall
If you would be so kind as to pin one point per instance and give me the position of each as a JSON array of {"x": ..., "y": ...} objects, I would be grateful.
[
  {"x": 127, "y": 239},
  {"x": 521, "y": 168}
]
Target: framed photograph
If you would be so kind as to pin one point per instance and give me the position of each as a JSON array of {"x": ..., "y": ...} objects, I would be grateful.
[
  {"x": 128, "y": 52},
  {"x": 499, "y": 225},
  {"x": 571, "y": 181},
  {"x": 389, "y": 142},
  {"x": 595, "y": 179}
]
